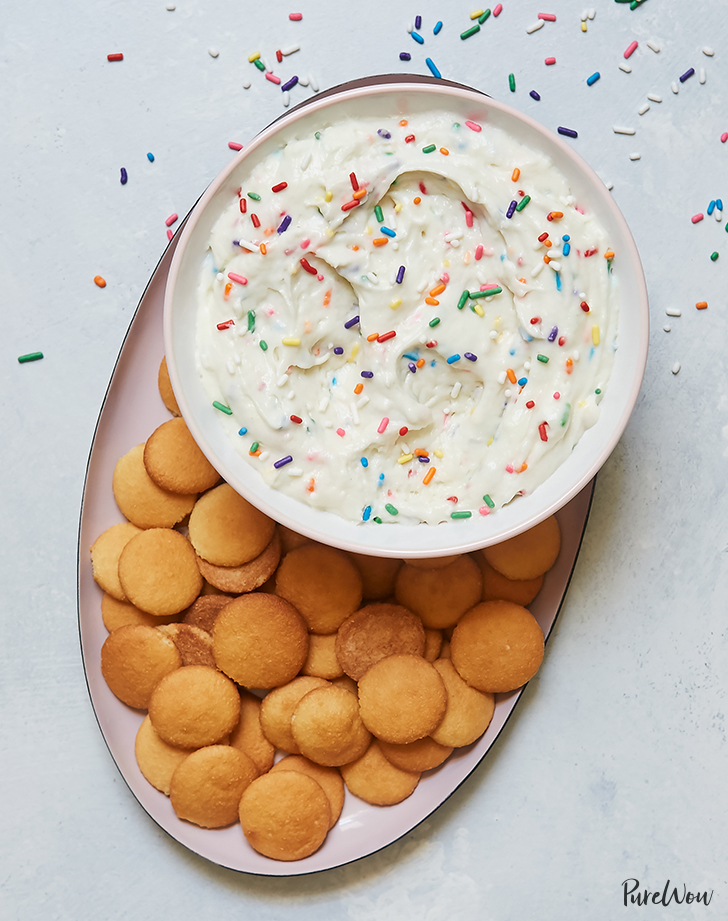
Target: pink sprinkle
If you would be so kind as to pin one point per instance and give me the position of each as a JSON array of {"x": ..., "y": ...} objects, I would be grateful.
[
  {"x": 305, "y": 243},
  {"x": 272, "y": 77},
  {"x": 547, "y": 17},
  {"x": 469, "y": 218},
  {"x": 478, "y": 252},
  {"x": 550, "y": 61},
  {"x": 340, "y": 432},
  {"x": 724, "y": 137},
  {"x": 171, "y": 219},
  {"x": 497, "y": 10},
  {"x": 509, "y": 468},
  {"x": 233, "y": 276},
  {"x": 474, "y": 126},
  {"x": 696, "y": 218},
  {"x": 233, "y": 145},
  {"x": 169, "y": 234},
  {"x": 295, "y": 17},
  {"x": 484, "y": 510},
  {"x": 631, "y": 48},
  {"x": 557, "y": 395},
  {"x": 383, "y": 425},
  {"x": 444, "y": 278}
]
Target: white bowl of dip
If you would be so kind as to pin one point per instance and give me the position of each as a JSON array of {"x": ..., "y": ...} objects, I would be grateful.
[{"x": 496, "y": 435}]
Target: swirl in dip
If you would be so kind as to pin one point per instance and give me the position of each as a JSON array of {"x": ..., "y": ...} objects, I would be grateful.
[{"x": 407, "y": 319}]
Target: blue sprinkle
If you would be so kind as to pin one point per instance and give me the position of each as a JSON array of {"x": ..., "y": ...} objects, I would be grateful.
[
  {"x": 566, "y": 238},
  {"x": 243, "y": 431},
  {"x": 400, "y": 275},
  {"x": 338, "y": 350},
  {"x": 384, "y": 134},
  {"x": 711, "y": 208},
  {"x": 567, "y": 249},
  {"x": 470, "y": 356},
  {"x": 453, "y": 358},
  {"x": 558, "y": 281},
  {"x": 284, "y": 224},
  {"x": 352, "y": 322},
  {"x": 364, "y": 461},
  {"x": 511, "y": 209},
  {"x": 367, "y": 513},
  {"x": 413, "y": 356},
  {"x": 150, "y": 157},
  {"x": 553, "y": 334},
  {"x": 418, "y": 38},
  {"x": 433, "y": 69},
  {"x": 511, "y": 351},
  {"x": 438, "y": 26},
  {"x": 381, "y": 477},
  {"x": 719, "y": 204},
  {"x": 522, "y": 381},
  {"x": 433, "y": 363},
  {"x": 593, "y": 79},
  {"x": 405, "y": 56},
  {"x": 534, "y": 95},
  {"x": 333, "y": 381},
  {"x": 388, "y": 232},
  {"x": 367, "y": 374}
]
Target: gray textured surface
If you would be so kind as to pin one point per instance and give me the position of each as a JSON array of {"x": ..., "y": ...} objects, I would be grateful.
[{"x": 614, "y": 764}]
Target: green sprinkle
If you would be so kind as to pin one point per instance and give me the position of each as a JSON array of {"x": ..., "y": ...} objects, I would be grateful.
[
  {"x": 254, "y": 196},
  {"x": 317, "y": 135},
  {"x": 391, "y": 509},
  {"x": 488, "y": 501},
  {"x": 523, "y": 202},
  {"x": 254, "y": 447},
  {"x": 429, "y": 148},
  {"x": 489, "y": 292},
  {"x": 598, "y": 391},
  {"x": 471, "y": 31},
  {"x": 463, "y": 299},
  {"x": 714, "y": 256},
  {"x": 31, "y": 356},
  {"x": 512, "y": 82},
  {"x": 484, "y": 16},
  {"x": 264, "y": 345},
  {"x": 378, "y": 214},
  {"x": 543, "y": 358},
  {"x": 259, "y": 64},
  {"x": 251, "y": 320},
  {"x": 460, "y": 514},
  {"x": 565, "y": 417},
  {"x": 222, "y": 407},
  {"x": 377, "y": 519},
  {"x": 434, "y": 321}
]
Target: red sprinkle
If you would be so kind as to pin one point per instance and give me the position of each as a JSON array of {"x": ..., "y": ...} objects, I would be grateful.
[
  {"x": 696, "y": 218},
  {"x": 171, "y": 219},
  {"x": 295, "y": 17},
  {"x": 226, "y": 325},
  {"x": 255, "y": 219},
  {"x": 243, "y": 206},
  {"x": 385, "y": 336},
  {"x": 169, "y": 234},
  {"x": 535, "y": 320},
  {"x": 530, "y": 404},
  {"x": 584, "y": 306},
  {"x": 631, "y": 48},
  {"x": 354, "y": 182},
  {"x": 542, "y": 431},
  {"x": 422, "y": 188},
  {"x": 279, "y": 56},
  {"x": 115, "y": 57},
  {"x": 308, "y": 267},
  {"x": 562, "y": 340},
  {"x": 297, "y": 419},
  {"x": 432, "y": 344},
  {"x": 549, "y": 60},
  {"x": 403, "y": 431},
  {"x": 233, "y": 145},
  {"x": 547, "y": 17},
  {"x": 349, "y": 205},
  {"x": 279, "y": 187},
  {"x": 589, "y": 252},
  {"x": 474, "y": 126},
  {"x": 452, "y": 498},
  {"x": 544, "y": 236},
  {"x": 409, "y": 139},
  {"x": 724, "y": 137}
]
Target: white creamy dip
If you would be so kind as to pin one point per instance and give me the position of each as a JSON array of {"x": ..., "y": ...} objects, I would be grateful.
[{"x": 351, "y": 379}]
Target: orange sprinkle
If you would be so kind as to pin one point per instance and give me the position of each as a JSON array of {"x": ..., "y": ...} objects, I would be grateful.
[
  {"x": 380, "y": 241},
  {"x": 372, "y": 337},
  {"x": 548, "y": 243},
  {"x": 359, "y": 194},
  {"x": 421, "y": 452},
  {"x": 523, "y": 281},
  {"x": 609, "y": 254},
  {"x": 429, "y": 475},
  {"x": 228, "y": 289},
  {"x": 311, "y": 485},
  {"x": 433, "y": 301},
  {"x": 403, "y": 123},
  {"x": 327, "y": 298},
  {"x": 555, "y": 215},
  {"x": 511, "y": 375},
  {"x": 569, "y": 365},
  {"x": 355, "y": 247},
  {"x": 98, "y": 280},
  {"x": 515, "y": 174},
  {"x": 255, "y": 453},
  {"x": 420, "y": 363},
  {"x": 524, "y": 466},
  {"x": 307, "y": 327},
  {"x": 263, "y": 249},
  {"x": 438, "y": 289},
  {"x": 268, "y": 231},
  {"x": 547, "y": 259},
  {"x": 358, "y": 388},
  {"x": 445, "y": 151},
  {"x": 701, "y": 305},
  {"x": 417, "y": 199}
]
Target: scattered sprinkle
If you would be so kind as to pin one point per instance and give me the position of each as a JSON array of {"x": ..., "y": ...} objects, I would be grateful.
[
  {"x": 696, "y": 218},
  {"x": 433, "y": 69},
  {"x": 568, "y": 132},
  {"x": 701, "y": 305},
  {"x": 618, "y": 129},
  {"x": 512, "y": 82},
  {"x": 687, "y": 74},
  {"x": 117, "y": 56},
  {"x": 534, "y": 95},
  {"x": 653, "y": 46},
  {"x": 590, "y": 81},
  {"x": 549, "y": 61},
  {"x": 295, "y": 17},
  {"x": 150, "y": 157},
  {"x": 676, "y": 368},
  {"x": 630, "y": 49},
  {"x": 98, "y": 280},
  {"x": 124, "y": 178},
  {"x": 625, "y": 67},
  {"x": 31, "y": 356},
  {"x": 535, "y": 26},
  {"x": 234, "y": 145},
  {"x": 645, "y": 107}
]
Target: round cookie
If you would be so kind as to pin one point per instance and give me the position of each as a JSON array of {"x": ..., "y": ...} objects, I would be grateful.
[
  {"x": 374, "y": 632},
  {"x": 321, "y": 661},
  {"x": 203, "y": 611},
  {"x": 327, "y": 727},
  {"x": 330, "y": 779},
  {"x": 173, "y": 460},
  {"x": 421, "y": 755},
  {"x": 165, "y": 388},
  {"x": 157, "y": 761},
  {"x": 497, "y": 646},
  {"x": 433, "y": 644},
  {"x": 497, "y": 588},
  {"x": 440, "y": 596},
  {"x": 105, "y": 553},
  {"x": 260, "y": 640},
  {"x": 117, "y": 614},
  {"x": 134, "y": 659},
  {"x": 322, "y": 583},
  {"x": 277, "y": 708},
  {"x": 193, "y": 644},
  {"x": 207, "y": 786},
  {"x": 194, "y": 706},
  {"x": 468, "y": 712},
  {"x": 527, "y": 555},
  {"x": 245, "y": 578},
  {"x": 347, "y": 683},
  {"x": 291, "y": 539},
  {"x": 248, "y": 735},
  {"x": 158, "y": 572},
  {"x": 226, "y": 530},
  {"x": 377, "y": 781},
  {"x": 285, "y": 815},
  {"x": 140, "y": 499},
  {"x": 402, "y": 698},
  {"x": 437, "y": 562},
  {"x": 377, "y": 573}
]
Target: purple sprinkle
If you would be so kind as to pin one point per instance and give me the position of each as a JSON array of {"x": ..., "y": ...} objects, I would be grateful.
[
  {"x": 511, "y": 209},
  {"x": 236, "y": 242},
  {"x": 284, "y": 224},
  {"x": 282, "y": 462},
  {"x": 124, "y": 176},
  {"x": 569, "y": 132},
  {"x": 418, "y": 22},
  {"x": 338, "y": 350},
  {"x": 289, "y": 84},
  {"x": 405, "y": 56},
  {"x": 384, "y": 134},
  {"x": 470, "y": 356},
  {"x": 534, "y": 95},
  {"x": 423, "y": 460},
  {"x": 367, "y": 374},
  {"x": 400, "y": 275},
  {"x": 352, "y": 322},
  {"x": 688, "y": 73},
  {"x": 413, "y": 367},
  {"x": 554, "y": 333}
]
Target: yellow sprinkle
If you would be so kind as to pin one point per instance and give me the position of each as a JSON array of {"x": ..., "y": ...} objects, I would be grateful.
[
  {"x": 583, "y": 27},
  {"x": 479, "y": 310},
  {"x": 254, "y": 56},
  {"x": 438, "y": 453},
  {"x": 395, "y": 303},
  {"x": 354, "y": 352},
  {"x": 398, "y": 207},
  {"x": 291, "y": 340},
  {"x": 490, "y": 441},
  {"x": 476, "y": 14},
  {"x": 405, "y": 459},
  {"x": 369, "y": 231},
  {"x": 446, "y": 263},
  {"x": 329, "y": 195},
  {"x": 595, "y": 335}
]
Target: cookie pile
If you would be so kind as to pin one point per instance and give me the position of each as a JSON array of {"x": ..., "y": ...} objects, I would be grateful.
[{"x": 244, "y": 640}]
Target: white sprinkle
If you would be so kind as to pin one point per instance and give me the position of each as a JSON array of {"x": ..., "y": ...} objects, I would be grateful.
[
  {"x": 323, "y": 405},
  {"x": 454, "y": 243},
  {"x": 676, "y": 368},
  {"x": 231, "y": 367},
  {"x": 404, "y": 447},
  {"x": 394, "y": 245},
  {"x": 618, "y": 129},
  {"x": 372, "y": 278},
  {"x": 556, "y": 266},
  {"x": 645, "y": 107},
  {"x": 213, "y": 52},
  {"x": 422, "y": 285},
  {"x": 673, "y": 312},
  {"x": 701, "y": 75},
  {"x": 328, "y": 424},
  {"x": 635, "y": 156},
  {"x": 291, "y": 395},
  {"x": 585, "y": 15},
  {"x": 456, "y": 388},
  {"x": 306, "y": 161},
  {"x": 266, "y": 63},
  {"x": 501, "y": 377},
  {"x": 536, "y": 246},
  {"x": 264, "y": 455},
  {"x": 246, "y": 244},
  {"x": 282, "y": 380},
  {"x": 286, "y": 98},
  {"x": 535, "y": 26},
  {"x": 411, "y": 27},
  {"x": 609, "y": 185},
  {"x": 354, "y": 413},
  {"x": 493, "y": 334},
  {"x": 625, "y": 67},
  {"x": 708, "y": 52},
  {"x": 314, "y": 84},
  {"x": 592, "y": 13},
  {"x": 220, "y": 276},
  {"x": 537, "y": 269},
  {"x": 507, "y": 393},
  {"x": 454, "y": 235},
  {"x": 362, "y": 401},
  {"x": 526, "y": 365},
  {"x": 674, "y": 87},
  {"x": 294, "y": 471},
  {"x": 575, "y": 355},
  {"x": 246, "y": 85},
  {"x": 653, "y": 97},
  {"x": 667, "y": 327},
  {"x": 303, "y": 81},
  {"x": 718, "y": 215},
  {"x": 653, "y": 46},
  {"x": 290, "y": 49}
]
